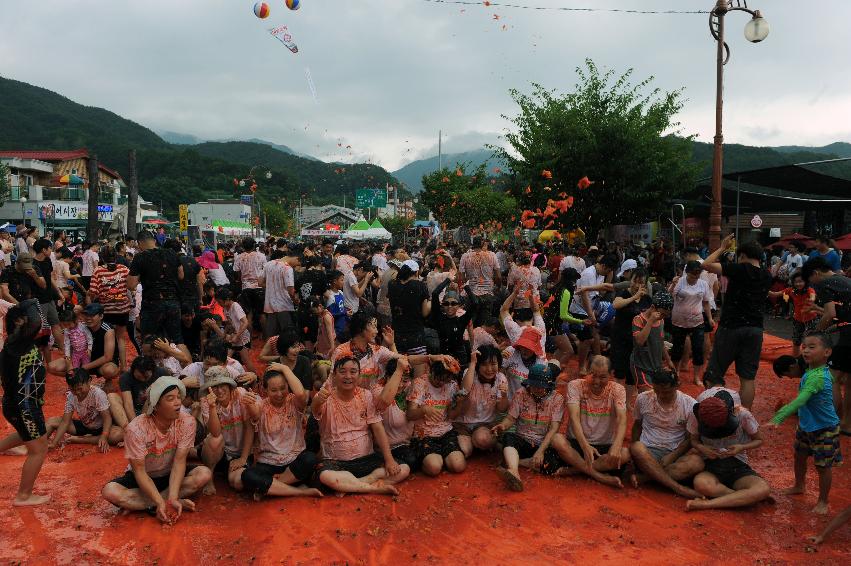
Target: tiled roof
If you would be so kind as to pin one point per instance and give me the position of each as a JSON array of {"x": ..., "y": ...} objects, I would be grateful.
[
  {"x": 46, "y": 155},
  {"x": 56, "y": 156}
]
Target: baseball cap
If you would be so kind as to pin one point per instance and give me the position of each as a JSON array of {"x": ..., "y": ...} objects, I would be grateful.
[
  {"x": 411, "y": 264},
  {"x": 93, "y": 309}
]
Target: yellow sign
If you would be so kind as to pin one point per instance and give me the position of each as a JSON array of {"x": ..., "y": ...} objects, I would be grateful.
[{"x": 183, "y": 209}]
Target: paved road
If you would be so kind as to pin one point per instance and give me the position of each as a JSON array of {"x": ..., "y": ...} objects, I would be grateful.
[{"x": 779, "y": 327}]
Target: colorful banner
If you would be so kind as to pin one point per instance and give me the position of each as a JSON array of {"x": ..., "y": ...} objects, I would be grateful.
[
  {"x": 634, "y": 232},
  {"x": 183, "y": 211},
  {"x": 63, "y": 210},
  {"x": 695, "y": 230}
]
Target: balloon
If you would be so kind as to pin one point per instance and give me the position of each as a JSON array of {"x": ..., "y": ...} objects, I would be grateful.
[
  {"x": 261, "y": 10},
  {"x": 293, "y": 4}
]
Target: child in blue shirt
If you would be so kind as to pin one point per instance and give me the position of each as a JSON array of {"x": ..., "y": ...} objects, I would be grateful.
[{"x": 818, "y": 422}]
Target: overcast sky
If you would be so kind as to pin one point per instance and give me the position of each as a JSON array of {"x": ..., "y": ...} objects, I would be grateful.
[{"x": 389, "y": 74}]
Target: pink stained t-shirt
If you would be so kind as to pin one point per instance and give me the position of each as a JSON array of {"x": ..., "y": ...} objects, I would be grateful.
[
  {"x": 144, "y": 441},
  {"x": 597, "y": 413},
  {"x": 280, "y": 435},
  {"x": 396, "y": 424},
  {"x": 481, "y": 403},
  {"x": 88, "y": 409},
  {"x": 424, "y": 394},
  {"x": 344, "y": 425},
  {"x": 233, "y": 419}
]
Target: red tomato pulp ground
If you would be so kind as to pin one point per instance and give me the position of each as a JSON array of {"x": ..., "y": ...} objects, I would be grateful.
[{"x": 468, "y": 518}]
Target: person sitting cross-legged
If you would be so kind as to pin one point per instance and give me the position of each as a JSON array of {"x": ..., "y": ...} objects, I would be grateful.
[
  {"x": 661, "y": 444},
  {"x": 596, "y": 406},
  {"x": 156, "y": 444}
]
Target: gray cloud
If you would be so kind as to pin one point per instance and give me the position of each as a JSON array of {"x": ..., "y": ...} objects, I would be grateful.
[{"x": 387, "y": 71}]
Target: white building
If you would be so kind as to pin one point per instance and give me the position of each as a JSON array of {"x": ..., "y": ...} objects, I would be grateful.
[
  {"x": 228, "y": 216},
  {"x": 40, "y": 197}
]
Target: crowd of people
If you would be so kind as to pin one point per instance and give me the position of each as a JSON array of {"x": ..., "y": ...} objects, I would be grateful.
[{"x": 300, "y": 369}]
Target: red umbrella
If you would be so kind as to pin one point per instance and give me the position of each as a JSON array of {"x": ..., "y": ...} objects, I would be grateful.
[
  {"x": 843, "y": 242},
  {"x": 794, "y": 237}
]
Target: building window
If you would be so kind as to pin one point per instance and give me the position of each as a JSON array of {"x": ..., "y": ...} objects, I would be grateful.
[
  {"x": 28, "y": 180},
  {"x": 73, "y": 171}
]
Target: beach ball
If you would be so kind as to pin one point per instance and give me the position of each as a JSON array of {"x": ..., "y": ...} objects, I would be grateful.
[
  {"x": 261, "y": 10},
  {"x": 293, "y": 4}
]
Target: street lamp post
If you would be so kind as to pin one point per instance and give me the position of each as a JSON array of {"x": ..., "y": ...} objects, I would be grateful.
[
  {"x": 756, "y": 30},
  {"x": 23, "y": 201}
]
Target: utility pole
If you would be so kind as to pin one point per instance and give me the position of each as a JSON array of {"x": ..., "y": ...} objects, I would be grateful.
[
  {"x": 133, "y": 197},
  {"x": 440, "y": 150},
  {"x": 92, "y": 231}
]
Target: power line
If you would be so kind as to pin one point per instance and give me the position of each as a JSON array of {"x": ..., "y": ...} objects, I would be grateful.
[{"x": 562, "y": 9}]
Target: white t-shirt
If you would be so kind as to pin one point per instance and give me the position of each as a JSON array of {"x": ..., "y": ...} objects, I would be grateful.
[
  {"x": 88, "y": 409},
  {"x": 250, "y": 266},
  {"x": 351, "y": 300},
  {"x": 482, "y": 400},
  {"x": 589, "y": 278},
  {"x": 279, "y": 277},
  {"x": 711, "y": 280},
  {"x": 688, "y": 303},
  {"x": 663, "y": 427},
  {"x": 236, "y": 314},
  {"x": 218, "y": 276},
  {"x": 576, "y": 263},
  {"x": 90, "y": 261}
]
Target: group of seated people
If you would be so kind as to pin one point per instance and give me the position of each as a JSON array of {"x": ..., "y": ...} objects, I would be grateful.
[{"x": 360, "y": 414}]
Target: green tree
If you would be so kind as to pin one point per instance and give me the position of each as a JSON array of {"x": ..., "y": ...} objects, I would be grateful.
[
  {"x": 457, "y": 198},
  {"x": 397, "y": 225},
  {"x": 622, "y": 136},
  {"x": 5, "y": 187}
]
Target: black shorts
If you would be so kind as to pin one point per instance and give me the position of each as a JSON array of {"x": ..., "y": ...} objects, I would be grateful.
[
  {"x": 740, "y": 345},
  {"x": 582, "y": 332},
  {"x": 729, "y": 470},
  {"x": 552, "y": 461},
  {"x": 441, "y": 445},
  {"x": 404, "y": 455},
  {"x": 83, "y": 430},
  {"x": 128, "y": 480},
  {"x": 25, "y": 415},
  {"x": 223, "y": 465},
  {"x": 840, "y": 359},
  {"x": 603, "y": 449},
  {"x": 308, "y": 326},
  {"x": 117, "y": 319},
  {"x": 258, "y": 477},
  {"x": 359, "y": 467},
  {"x": 621, "y": 351},
  {"x": 251, "y": 300}
]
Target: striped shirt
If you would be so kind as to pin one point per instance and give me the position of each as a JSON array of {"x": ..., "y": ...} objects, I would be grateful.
[
  {"x": 109, "y": 288},
  {"x": 533, "y": 418}
]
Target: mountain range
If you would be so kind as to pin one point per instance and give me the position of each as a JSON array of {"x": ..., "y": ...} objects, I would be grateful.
[
  {"x": 183, "y": 170},
  {"x": 179, "y": 168},
  {"x": 736, "y": 158}
]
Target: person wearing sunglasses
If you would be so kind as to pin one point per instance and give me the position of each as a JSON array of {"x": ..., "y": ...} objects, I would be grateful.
[{"x": 450, "y": 321}]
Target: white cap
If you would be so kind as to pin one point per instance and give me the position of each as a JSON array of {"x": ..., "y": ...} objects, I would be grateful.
[
  {"x": 411, "y": 264},
  {"x": 158, "y": 387},
  {"x": 627, "y": 265}
]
